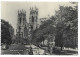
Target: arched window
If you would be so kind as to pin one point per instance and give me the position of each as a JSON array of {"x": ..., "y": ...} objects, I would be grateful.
[
  {"x": 19, "y": 29},
  {"x": 31, "y": 27},
  {"x": 32, "y": 19},
  {"x": 20, "y": 20},
  {"x": 25, "y": 32}
]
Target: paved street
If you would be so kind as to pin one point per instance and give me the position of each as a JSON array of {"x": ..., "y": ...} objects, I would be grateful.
[
  {"x": 15, "y": 49},
  {"x": 18, "y": 49},
  {"x": 36, "y": 50}
]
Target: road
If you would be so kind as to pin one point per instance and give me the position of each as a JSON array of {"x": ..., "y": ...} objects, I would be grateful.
[
  {"x": 19, "y": 49},
  {"x": 36, "y": 50},
  {"x": 15, "y": 49}
]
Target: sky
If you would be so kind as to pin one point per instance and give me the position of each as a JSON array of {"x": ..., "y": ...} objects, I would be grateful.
[{"x": 9, "y": 10}]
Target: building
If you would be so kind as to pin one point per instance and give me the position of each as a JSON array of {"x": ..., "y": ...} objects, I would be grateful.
[
  {"x": 22, "y": 30},
  {"x": 33, "y": 18},
  {"x": 25, "y": 30}
]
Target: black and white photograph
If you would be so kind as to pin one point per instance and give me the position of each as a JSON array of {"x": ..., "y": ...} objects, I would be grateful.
[{"x": 39, "y": 28}]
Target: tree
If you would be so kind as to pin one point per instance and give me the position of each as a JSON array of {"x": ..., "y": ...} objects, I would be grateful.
[
  {"x": 66, "y": 26},
  {"x": 6, "y": 34},
  {"x": 45, "y": 29}
]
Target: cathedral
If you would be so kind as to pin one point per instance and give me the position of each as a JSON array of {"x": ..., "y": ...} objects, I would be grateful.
[
  {"x": 33, "y": 18},
  {"x": 24, "y": 30}
]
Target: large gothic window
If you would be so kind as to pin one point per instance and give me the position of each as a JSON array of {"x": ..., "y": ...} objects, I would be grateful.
[
  {"x": 20, "y": 20},
  {"x": 23, "y": 21},
  {"x": 36, "y": 18},
  {"x": 31, "y": 27},
  {"x": 32, "y": 19},
  {"x": 25, "y": 32},
  {"x": 19, "y": 29}
]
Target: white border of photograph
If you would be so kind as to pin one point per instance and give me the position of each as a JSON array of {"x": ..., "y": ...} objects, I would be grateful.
[{"x": 46, "y": 1}]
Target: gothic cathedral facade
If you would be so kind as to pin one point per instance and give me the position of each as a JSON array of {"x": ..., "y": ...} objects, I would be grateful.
[
  {"x": 24, "y": 30},
  {"x": 33, "y": 18}
]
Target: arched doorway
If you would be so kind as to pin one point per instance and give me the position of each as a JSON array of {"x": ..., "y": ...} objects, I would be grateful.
[{"x": 25, "y": 32}]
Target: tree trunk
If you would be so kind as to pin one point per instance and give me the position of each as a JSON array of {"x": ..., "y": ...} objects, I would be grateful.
[
  {"x": 61, "y": 48},
  {"x": 43, "y": 42}
]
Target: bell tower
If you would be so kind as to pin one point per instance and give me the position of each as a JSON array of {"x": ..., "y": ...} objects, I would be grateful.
[
  {"x": 33, "y": 18},
  {"x": 21, "y": 31}
]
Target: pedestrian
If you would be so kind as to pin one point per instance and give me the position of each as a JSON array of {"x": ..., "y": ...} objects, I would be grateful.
[
  {"x": 30, "y": 51},
  {"x": 54, "y": 50}
]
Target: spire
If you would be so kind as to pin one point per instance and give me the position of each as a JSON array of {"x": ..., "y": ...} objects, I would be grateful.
[
  {"x": 35, "y": 7},
  {"x": 30, "y": 8},
  {"x": 22, "y": 11},
  {"x": 18, "y": 11}
]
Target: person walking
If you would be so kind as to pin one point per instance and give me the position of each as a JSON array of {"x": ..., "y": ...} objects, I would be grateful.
[{"x": 30, "y": 51}]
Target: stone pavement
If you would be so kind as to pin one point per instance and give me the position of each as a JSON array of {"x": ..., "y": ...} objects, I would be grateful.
[{"x": 36, "y": 50}]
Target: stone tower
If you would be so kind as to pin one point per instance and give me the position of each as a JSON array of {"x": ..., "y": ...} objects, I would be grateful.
[
  {"x": 33, "y": 18},
  {"x": 21, "y": 30}
]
